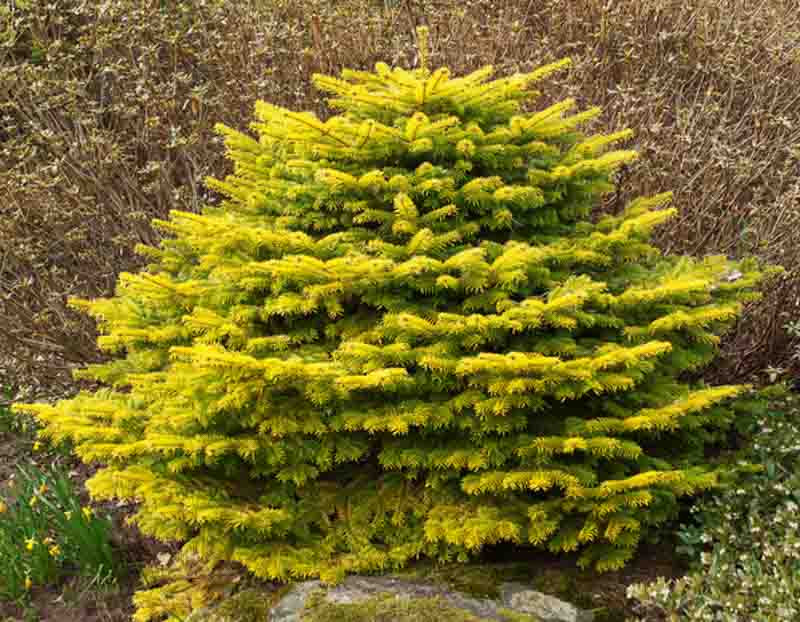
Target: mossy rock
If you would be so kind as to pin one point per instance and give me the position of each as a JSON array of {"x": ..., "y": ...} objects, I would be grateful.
[{"x": 396, "y": 599}]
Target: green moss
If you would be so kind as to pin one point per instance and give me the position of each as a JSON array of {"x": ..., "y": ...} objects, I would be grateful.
[
  {"x": 555, "y": 582},
  {"x": 485, "y": 581},
  {"x": 473, "y": 580},
  {"x": 388, "y": 608},
  {"x": 249, "y": 605}
]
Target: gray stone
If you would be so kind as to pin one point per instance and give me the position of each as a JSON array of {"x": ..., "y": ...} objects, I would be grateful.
[
  {"x": 291, "y": 605},
  {"x": 521, "y": 599}
]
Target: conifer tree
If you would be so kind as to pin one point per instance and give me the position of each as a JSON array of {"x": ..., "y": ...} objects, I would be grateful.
[{"x": 406, "y": 333}]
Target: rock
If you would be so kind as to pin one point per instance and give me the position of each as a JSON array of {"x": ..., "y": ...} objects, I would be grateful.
[
  {"x": 522, "y": 599},
  {"x": 309, "y": 597},
  {"x": 289, "y": 607}
]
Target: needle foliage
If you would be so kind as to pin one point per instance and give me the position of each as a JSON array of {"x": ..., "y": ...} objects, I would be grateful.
[{"x": 405, "y": 333}]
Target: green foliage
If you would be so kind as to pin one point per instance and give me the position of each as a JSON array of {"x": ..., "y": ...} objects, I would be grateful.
[
  {"x": 45, "y": 534},
  {"x": 745, "y": 537},
  {"x": 405, "y": 334}
]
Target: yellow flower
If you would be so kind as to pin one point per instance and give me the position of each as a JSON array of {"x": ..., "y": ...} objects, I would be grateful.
[
  {"x": 34, "y": 500},
  {"x": 37, "y": 446},
  {"x": 54, "y": 550},
  {"x": 3, "y": 507},
  {"x": 30, "y": 543},
  {"x": 42, "y": 488},
  {"x": 28, "y": 583},
  {"x": 87, "y": 512}
]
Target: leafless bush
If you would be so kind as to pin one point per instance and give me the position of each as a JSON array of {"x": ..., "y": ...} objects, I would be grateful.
[
  {"x": 106, "y": 116},
  {"x": 107, "y": 109}
]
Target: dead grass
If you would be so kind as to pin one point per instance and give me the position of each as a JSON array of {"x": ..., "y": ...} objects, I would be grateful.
[{"x": 106, "y": 112}]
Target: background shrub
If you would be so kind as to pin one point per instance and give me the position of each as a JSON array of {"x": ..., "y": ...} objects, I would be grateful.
[
  {"x": 105, "y": 117},
  {"x": 745, "y": 539},
  {"x": 107, "y": 111}
]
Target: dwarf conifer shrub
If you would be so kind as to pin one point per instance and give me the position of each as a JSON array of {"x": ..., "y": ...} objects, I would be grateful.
[{"x": 405, "y": 334}]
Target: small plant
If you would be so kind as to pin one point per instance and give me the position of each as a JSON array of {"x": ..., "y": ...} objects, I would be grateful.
[
  {"x": 46, "y": 533},
  {"x": 691, "y": 541}
]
